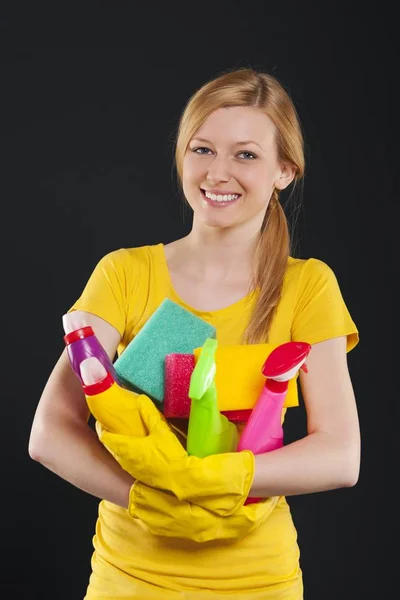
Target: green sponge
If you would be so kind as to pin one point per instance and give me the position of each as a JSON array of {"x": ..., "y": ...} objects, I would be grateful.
[{"x": 170, "y": 330}]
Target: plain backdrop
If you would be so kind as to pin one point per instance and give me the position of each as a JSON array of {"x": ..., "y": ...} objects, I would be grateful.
[{"x": 90, "y": 100}]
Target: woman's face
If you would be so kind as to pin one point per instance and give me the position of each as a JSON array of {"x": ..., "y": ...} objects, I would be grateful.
[{"x": 230, "y": 168}]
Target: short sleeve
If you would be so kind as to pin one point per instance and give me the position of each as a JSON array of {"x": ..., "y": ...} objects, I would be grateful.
[
  {"x": 320, "y": 311},
  {"x": 105, "y": 293}
]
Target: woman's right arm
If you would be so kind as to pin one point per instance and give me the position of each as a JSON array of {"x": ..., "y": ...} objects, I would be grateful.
[{"x": 61, "y": 438}]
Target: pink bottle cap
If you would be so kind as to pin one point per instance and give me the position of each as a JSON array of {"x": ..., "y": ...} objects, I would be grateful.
[{"x": 285, "y": 358}]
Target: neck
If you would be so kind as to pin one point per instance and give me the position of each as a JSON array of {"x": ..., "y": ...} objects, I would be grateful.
[{"x": 220, "y": 255}]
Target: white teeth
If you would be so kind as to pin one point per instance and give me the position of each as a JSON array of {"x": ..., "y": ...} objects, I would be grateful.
[{"x": 220, "y": 198}]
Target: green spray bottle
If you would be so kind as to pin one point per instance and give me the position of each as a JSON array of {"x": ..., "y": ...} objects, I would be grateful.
[{"x": 209, "y": 432}]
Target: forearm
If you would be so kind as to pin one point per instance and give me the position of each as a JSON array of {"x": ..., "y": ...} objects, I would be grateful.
[
  {"x": 316, "y": 463},
  {"x": 72, "y": 451}
]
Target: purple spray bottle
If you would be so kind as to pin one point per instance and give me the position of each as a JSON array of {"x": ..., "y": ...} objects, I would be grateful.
[{"x": 82, "y": 343}]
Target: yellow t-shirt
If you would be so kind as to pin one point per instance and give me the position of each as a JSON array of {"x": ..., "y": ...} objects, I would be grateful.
[{"x": 125, "y": 288}]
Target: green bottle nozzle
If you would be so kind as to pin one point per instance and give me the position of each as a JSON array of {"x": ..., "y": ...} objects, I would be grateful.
[
  {"x": 203, "y": 375},
  {"x": 209, "y": 432}
]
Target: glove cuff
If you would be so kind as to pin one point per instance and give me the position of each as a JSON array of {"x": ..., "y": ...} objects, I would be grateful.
[
  {"x": 134, "y": 493},
  {"x": 220, "y": 483},
  {"x": 244, "y": 486},
  {"x": 249, "y": 463}
]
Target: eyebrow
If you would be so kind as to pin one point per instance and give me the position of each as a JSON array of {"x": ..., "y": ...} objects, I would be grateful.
[{"x": 199, "y": 139}]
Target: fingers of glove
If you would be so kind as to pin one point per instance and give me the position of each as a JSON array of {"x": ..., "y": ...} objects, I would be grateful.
[
  {"x": 118, "y": 418},
  {"x": 155, "y": 466},
  {"x": 107, "y": 439},
  {"x": 145, "y": 458},
  {"x": 127, "y": 450},
  {"x": 161, "y": 512},
  {"x": 160, "y": 446},
  {"x": 163, "y": 437},
  {"x": 122, "y": 449},
  {"x": 99, "y": 428},
  {"x": 219, "y": 483},
  {"x": 125, "y": 412},
  {"x": 118, "y": 443},
  {"x": 152, "y": 421},
  {"x": 138, "y": 449},
  {"x": 166, "y": 516},
  {"x": 152, "y": 417}
]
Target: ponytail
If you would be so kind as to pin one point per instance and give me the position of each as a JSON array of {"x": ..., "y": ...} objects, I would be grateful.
[{"x": 272, "y": 256}]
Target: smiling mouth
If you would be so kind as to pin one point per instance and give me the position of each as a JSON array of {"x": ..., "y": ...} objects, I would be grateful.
[{"x": 219, "y": 200}]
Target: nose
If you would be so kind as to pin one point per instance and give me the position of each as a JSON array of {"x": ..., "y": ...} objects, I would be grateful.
[{"x": 218, "y": 170}]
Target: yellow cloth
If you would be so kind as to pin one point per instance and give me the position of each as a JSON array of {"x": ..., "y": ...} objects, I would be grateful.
[
  {"x": 239, "y": 379},
  {"x": 125, "y": 288}
]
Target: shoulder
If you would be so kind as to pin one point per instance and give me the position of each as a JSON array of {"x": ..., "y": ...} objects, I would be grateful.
[
  {"x": 319, "y": 309},
  {"x": 302, "y": 273},
  {"x": 308, "y": 267},
  {"x": 128, "y": 258},
  {"x": 310, "y": 279}
]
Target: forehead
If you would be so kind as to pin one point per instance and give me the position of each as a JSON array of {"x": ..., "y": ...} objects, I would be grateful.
[{"x": 238, "y": 123}]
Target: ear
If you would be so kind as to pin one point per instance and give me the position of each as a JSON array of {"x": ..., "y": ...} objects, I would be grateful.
[{"x": 288, "y": 172}]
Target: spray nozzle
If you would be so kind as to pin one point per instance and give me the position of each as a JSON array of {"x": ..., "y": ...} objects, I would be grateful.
[
  {"x": 204, "y": 372},
  {"x": 285, "y": 360}
]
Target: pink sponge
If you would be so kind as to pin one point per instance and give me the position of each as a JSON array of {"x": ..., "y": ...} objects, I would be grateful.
[{"x": 178, "y": 369}]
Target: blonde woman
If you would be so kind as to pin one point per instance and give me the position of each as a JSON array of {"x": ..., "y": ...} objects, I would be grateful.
[{"x": 239, "y": 144}]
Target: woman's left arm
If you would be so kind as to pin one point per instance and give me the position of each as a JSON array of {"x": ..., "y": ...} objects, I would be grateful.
[{"x": 329, "y": 456}]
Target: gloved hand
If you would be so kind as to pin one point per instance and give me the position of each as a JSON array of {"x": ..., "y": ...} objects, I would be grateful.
[
  {"x": 220, "y": 482},
  {"x": 165, "y": 515},
  {"x": 117, "y": 408},
  {"x": 120, "y": 410}
]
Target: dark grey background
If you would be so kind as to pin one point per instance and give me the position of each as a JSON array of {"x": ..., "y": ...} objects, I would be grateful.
[{"x": 90, "y": 99}]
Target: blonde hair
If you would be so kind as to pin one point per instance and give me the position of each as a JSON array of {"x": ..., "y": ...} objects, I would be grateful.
[{"x": 246, "y": 87}]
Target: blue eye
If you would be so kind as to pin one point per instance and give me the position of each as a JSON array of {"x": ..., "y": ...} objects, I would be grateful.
[
  {"x": 201, "y": 150},
  {"x": 248, "y": 155},
  {"x": 204, "y": 151}
]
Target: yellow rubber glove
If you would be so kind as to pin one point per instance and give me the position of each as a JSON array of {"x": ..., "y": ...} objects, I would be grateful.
[
  {"x": 220, "y": 482},
  {"x": 118, "y": 409},
  {"x": 164, "y": 515}
]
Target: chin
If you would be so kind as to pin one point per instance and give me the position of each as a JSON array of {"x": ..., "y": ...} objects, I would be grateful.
[{"x": 217, "y": 223}]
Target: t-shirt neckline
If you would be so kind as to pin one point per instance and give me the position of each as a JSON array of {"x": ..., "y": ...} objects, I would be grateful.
[{"x": 235, "y": 306}]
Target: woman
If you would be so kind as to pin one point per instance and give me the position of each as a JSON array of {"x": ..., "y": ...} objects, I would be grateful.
[{"x": 239, "y": 145}]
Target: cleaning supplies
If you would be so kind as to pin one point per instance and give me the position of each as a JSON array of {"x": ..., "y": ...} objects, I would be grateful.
[
  {"x": 238, "y": 379},
  {"x": 178, "y": 371},
  {"x": 220, "y": 482},
  {"x": 81, "y": 343},
  {"x": 209, "y": 432},
  {"x": 263, "y": 431},
  {"x": 170, "y": 329}
]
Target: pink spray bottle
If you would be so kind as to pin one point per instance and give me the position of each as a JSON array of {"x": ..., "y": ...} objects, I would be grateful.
[{"x": 263, "y": 431}]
